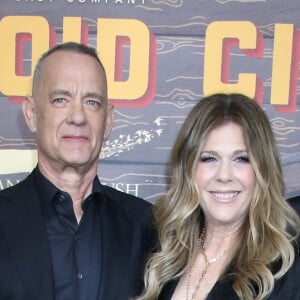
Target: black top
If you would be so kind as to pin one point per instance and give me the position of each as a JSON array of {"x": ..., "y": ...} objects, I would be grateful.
[
  {"x": 286, "y": 288},
  {"x": 75, "y": 247}
]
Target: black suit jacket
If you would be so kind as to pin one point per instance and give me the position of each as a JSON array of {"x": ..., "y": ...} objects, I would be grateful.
[{"x": 25, "y": 263}]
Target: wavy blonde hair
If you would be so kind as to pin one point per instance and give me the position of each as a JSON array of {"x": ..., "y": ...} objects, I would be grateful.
[{"x": 267, "y": 235}]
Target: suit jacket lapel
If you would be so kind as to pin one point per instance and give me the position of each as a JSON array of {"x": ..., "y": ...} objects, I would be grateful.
[{"x": 27, "y": 240}]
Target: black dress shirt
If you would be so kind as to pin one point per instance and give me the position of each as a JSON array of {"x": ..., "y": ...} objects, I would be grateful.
[{"x": 75, "y": 247}]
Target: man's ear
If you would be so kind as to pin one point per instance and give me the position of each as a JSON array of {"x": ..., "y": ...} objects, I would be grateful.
[
  {"x": 29, "y": 112},
  {"x": 109, "y": 121}
]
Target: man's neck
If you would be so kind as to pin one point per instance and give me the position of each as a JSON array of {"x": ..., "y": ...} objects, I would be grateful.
[{"x": 75, "y": 181}]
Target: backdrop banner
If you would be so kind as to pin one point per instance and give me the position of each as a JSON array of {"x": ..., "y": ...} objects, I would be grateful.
[{"x": 161, "y": 57}]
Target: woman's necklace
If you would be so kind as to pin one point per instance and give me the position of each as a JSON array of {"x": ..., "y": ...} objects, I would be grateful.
[
  {"x": 219, "y": 256},
  {"x": 208, "y": 262}
]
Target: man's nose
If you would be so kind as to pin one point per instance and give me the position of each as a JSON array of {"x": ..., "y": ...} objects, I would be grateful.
[{"x": 77, "y": 113}]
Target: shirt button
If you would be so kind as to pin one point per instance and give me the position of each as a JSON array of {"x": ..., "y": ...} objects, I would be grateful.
[
  {"x": 79, "y": 276},
  {"x": 76, "y": 237},
  {"x": 61, "y": 198}
]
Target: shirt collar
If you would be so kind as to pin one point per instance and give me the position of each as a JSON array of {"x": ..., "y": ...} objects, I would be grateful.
[
  {"x": 45, "y": 188},
  {"x": 48, "y": 191}
]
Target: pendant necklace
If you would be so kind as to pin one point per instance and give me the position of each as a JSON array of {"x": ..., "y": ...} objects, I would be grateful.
[{"x": 208, "y": 262}]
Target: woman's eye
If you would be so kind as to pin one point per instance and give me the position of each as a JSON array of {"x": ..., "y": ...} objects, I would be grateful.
[
  {"x": 243, "y": 159},
  {"x": 207, "y": 159}
]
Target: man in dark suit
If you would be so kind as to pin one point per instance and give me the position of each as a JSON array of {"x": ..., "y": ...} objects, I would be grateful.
[{"x": 63, "y": 235}]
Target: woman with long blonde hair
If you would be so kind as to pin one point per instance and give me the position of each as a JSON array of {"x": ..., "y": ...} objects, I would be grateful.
[{"x": 225, "y": 230}]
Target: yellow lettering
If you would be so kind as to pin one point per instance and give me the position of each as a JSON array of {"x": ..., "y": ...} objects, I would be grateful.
[
  {"x": 216, "y": 59},
  {"x": 282, "y": 64},
  {"x": 11, "y": 82},
  {"x": 112, "y": 31},
  {"x": 75, "y": 30},
  {"x": 17, "y": 161}
]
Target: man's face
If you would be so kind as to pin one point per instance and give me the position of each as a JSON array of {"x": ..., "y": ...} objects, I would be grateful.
[{"x": 69, "y": 110}]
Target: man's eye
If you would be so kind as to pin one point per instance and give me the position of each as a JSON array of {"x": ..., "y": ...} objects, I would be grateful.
[
  {"x": 59, "y": 100},
  {"x": 93, "y": 102}
]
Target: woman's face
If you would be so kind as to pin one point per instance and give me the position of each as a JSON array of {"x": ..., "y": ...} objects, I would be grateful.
[{"x": 225, "y": 177}]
